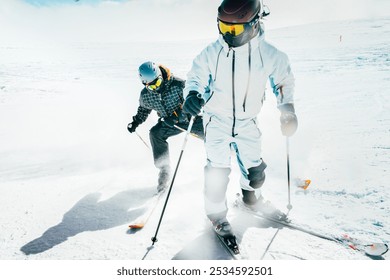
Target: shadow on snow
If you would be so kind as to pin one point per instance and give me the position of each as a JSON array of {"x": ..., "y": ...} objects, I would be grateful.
[{"x": 90, "y": 214}]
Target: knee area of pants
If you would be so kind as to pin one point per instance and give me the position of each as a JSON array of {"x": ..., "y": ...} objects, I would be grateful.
[
  {"x": 257, "y": 183},
  {"x": 153, "y": 131},
  {"x": 256, "y": 175}
]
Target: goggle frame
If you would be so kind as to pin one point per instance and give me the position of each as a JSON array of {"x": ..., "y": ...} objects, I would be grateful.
[{"x": 155, "y": 84}]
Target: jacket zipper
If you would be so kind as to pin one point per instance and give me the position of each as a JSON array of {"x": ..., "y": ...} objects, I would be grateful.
[
  {"x": 233, "y": 95},
  {"x": 249, "y": 75}
]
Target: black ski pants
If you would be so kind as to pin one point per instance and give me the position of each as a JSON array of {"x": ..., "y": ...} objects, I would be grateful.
[{"x": 161, "y": 132}]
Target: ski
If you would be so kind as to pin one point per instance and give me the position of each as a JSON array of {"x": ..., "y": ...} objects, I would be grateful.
[
  {"x": 368, "y": 248},
  {"x": 150, "y": 206},
  {"x": 231, "y": 246}
]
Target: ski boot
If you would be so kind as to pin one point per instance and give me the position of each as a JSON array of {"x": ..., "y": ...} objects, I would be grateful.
[
  {"x": 268, "y": 209},
  {"x": 264, "y": 207},
  {"x": 223, "y": 229}
]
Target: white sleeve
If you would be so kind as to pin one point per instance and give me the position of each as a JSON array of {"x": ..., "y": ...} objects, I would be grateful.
[
  {"x": 282, "y": 79},
  {"x": 199, "y": 76}
]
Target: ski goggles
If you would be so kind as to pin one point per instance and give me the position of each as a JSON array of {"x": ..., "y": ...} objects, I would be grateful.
[
  {"x": 234, "y": 29},
  {"x": 155, "y": 84}
]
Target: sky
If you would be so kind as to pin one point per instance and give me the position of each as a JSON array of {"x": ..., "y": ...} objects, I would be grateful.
[
  {"x": 313, "y": 9},
  {"x": 67, "y": 2},
  {"x": 154, "y": 20}
]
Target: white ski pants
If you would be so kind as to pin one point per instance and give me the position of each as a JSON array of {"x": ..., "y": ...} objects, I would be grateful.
[{"x": 219, "y": 144}]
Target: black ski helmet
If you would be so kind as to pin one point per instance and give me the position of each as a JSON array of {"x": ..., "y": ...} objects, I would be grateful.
[
  {"x": 245, "y": 12},
  {"x": 148, "y": 72}
]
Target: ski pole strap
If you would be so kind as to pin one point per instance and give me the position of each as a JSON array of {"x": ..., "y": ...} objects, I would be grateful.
[{"x": 191, "y": 133}]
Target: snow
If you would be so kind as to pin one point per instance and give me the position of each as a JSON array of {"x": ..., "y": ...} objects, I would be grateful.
[{"x": 72, "y": 178}]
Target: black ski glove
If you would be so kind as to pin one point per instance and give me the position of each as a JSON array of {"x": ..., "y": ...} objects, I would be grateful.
[
  {"x": 171, "y": 120},
  {"x": 193, "y": 103},
  {"x": 131, "y": 127},
  {"x": 288, "y": 119},
  {"x": 177, "y": 116}
]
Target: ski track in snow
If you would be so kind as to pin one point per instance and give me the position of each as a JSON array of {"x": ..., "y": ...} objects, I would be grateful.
[{"x": 72, "y": 178}]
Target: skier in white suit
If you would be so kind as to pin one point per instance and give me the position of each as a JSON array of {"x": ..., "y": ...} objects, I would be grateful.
[{"x": 228, "y": 80}]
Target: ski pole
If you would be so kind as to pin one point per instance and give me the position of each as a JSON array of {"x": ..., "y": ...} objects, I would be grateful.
[
  {"x": 139, "y": 136},
  {"x": 289, "y": 206},
  {"x": 192, "y": 134},
  {"x": 154, "y": 238}
]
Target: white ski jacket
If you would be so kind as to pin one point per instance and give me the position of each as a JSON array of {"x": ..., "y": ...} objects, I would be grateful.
[{"x": 232, "y": 81}]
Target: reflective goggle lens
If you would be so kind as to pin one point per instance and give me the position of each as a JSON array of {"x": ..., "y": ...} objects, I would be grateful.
[
  {"x": 234, "y": 29},
  {"x": 154, "y": 85}
]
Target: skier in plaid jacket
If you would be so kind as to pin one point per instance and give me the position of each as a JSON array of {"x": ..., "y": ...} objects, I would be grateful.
[{"x": 163, "y": 93}]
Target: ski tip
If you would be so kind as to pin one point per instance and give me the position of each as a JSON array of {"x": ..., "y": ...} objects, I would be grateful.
[
  {"x": 136, "y": 226},
  {"x": 305, "y": 184},
  {"x": 376, "y": 249}
]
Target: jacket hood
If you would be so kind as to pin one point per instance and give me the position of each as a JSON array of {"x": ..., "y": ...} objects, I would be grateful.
[
  {"x": 166, "y": 73},
  {"x": 167, "y": 76}
]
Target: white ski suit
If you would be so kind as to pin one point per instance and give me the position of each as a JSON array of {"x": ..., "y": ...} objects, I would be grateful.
[{"x": 232, "y": 82}]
